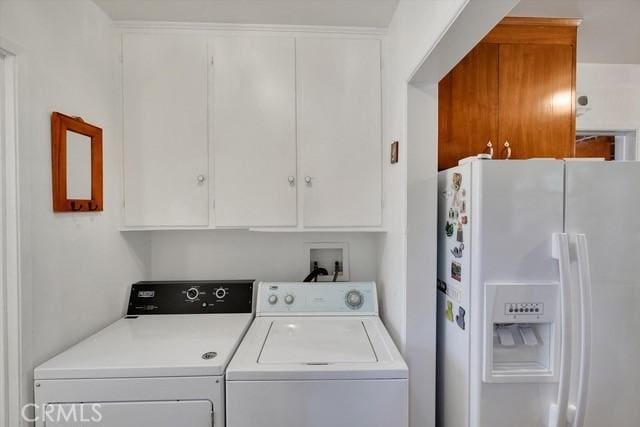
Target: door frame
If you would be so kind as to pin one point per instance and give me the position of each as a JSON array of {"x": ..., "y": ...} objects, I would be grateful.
[
  {"x": 627, "y": 141},
  {"x": 10, "y": 267}
]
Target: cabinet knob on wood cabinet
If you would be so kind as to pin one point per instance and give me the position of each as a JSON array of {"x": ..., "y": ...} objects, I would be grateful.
[
  {"x": 307, "y": 179},
  {"x": 489, "y": 149},
  {"x": 507, "y": 148},
  {"x": 292, "y": 180},
  {"x": 201, "y": 179}
]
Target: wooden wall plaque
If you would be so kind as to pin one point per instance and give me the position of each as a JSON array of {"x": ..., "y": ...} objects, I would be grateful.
[{"x": 63, "y": 126}]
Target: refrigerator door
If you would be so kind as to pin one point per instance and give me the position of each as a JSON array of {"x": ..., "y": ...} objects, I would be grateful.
[
  {"x": 454, "y": 305},
  {"x": 517, "y": 207},
  {"x": 603, "y": 203}
]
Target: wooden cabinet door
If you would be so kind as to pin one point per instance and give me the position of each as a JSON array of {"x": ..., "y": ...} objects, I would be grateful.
[
  {"x": 536, "y": 100},
  {"x": 165, "y": 130},
  {"x": 339, "y": 131},
  {"x": 254, "y": 131},
  {"x": 468, "y": 106}
]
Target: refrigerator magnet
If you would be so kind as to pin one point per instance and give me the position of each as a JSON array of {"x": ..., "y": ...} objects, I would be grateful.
[
  {"x": 442, "y": 286},
  {"x": 457, "y": 181},
  {"x": 454, "y": 293},
  {"x": 456, "y": 271},
  {"x": 449, "y": 311},
  {"x": 463, "y": 207},
  {"x": 464, "y": 219},
  {"x": 459, "y": 235},
  {"x": 448, "y": 229},
  {"x": 457, "y": 251},
  {"x": 460, "y": 318}
]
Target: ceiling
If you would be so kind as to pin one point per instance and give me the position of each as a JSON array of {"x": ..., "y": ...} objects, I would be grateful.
[
  {"x": 609, "y": 32},
  {"x": 356, "y": 13},
  {"x": 610, "y": 29}
]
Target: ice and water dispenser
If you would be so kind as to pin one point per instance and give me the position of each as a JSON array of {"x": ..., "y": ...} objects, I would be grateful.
[{"x": 522, "y": 332}]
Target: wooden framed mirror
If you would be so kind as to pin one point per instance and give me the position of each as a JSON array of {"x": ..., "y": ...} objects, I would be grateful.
[{"x": 76, "y": 154}]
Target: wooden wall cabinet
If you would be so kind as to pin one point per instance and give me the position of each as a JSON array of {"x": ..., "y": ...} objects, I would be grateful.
[{"x": 517, "y": 86}]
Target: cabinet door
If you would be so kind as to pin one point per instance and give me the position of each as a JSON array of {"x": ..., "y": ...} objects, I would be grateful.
[
  {"x": 165, "y": 130},
  {"x": 537, "y": 100},
  {"x": 339, "y": 125},
  {"x": 468, "y": 106},
  {"x": 254, "y": 131}
]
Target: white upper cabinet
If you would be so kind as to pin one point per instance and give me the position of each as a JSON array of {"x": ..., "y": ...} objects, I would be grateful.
[
  {"x": 248, "y": 130},
  {"x": 166, "y": 164},
  {"x": 339, "y": 131},
  {"x": 254, "y": 131}
]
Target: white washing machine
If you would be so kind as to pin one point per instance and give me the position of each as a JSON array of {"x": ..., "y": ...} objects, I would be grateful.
[
  {"x": 317, "y": 355},
  {"x": 162, "y": 365}
]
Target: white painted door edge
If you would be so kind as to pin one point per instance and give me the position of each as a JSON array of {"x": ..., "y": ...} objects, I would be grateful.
[{"x": 10, "y": 289}]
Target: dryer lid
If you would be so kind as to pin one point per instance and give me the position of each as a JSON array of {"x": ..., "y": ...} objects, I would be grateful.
[
  {"x": 312, "y": 341},
  {"x": 153, "y": 346}
]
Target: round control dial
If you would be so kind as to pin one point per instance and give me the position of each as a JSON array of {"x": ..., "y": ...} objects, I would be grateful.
[
  {"x": 221, "y": 293},
  {"x": 273, "y": 299},
  {"x": 354, "y": 299},
  {"x": 289, "y": 299},
  {"x": 192, "y": 293}
]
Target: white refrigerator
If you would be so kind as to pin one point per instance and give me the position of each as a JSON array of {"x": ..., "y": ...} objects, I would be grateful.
[{"x": 539, "y": 294}]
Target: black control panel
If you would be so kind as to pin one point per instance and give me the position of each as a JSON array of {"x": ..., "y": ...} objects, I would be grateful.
[{"x": 191, "y": 297}]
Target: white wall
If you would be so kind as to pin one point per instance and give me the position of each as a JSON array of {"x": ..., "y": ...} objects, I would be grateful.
[
  {"x": 609, "y": 32},
  {"x": 415, "y": 27},
  {"x": 614, "y": 96},
  {"x": 235, "y": 254},
  {"x": 409, "y": 314},
  {"x": 76, "y": 267},
  {"x": 422, "y": 189}
]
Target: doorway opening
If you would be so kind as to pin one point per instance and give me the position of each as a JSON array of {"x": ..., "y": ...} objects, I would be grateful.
[
  {"x": 607, "y": 144},
  {"x": 4, "y": 369},
  {"x": 10, "y": 311},
  {"x": 474, "y": 21}
]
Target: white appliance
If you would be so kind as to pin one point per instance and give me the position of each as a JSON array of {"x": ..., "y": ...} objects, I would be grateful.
[
  {"x": 317, "y": 355},
  {"x": 160, "y": 366},
  {"x": 535, "y": 327}
]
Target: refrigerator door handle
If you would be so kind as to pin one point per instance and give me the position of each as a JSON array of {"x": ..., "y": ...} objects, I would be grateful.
[
  {"x": 584, "y": 281},
  {"x": 558, "y": 409}
]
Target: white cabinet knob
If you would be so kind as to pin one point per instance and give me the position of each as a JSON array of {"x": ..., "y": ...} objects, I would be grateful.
[
  {"x": 201, "y": 179},
  {"x": 307, "y": 179},
  {"x": 292, "y": 180}
]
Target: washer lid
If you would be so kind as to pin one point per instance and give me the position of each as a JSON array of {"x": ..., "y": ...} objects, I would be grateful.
[
  {"x": 317, "y": 348},
  {"x": 317, "y": 342}
]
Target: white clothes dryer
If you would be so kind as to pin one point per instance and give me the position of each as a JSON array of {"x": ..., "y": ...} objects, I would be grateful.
[{"x": 162, "y": 365}]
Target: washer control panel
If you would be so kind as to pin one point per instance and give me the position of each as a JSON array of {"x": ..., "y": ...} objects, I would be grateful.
[
  {"x": 191, "y": 297},
  {"x": 349, "y": 298}
]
